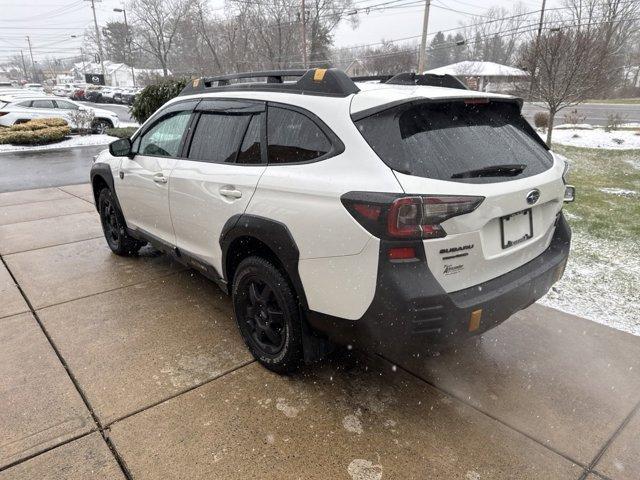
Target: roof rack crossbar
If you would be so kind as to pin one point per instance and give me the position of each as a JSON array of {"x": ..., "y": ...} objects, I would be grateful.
[{"x": 316, "y": 81}]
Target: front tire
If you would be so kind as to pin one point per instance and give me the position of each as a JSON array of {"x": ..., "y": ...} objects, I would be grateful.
[
  {"x": 113, "y": 226},
  {"x": 266, "y": 310}
]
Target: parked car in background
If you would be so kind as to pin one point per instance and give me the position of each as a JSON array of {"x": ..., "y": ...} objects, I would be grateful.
[
  {"x": 77, "y": 94},
  {"x": 20, "y": 109},
  {"x": 92, "y": 93},
  {"x": 34, "y": 87},
  {"x": 63, "y": 90}
]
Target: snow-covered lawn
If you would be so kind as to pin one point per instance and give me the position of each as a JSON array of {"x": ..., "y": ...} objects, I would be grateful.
[
  {"x": 72, "y": 141},
  {"x": 587, "y": 136},
  {"x": 602, "y": 278},
  {"x": 601, "y": 282}
]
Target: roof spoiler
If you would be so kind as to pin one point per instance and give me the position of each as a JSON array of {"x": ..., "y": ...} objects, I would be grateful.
[
  {"x": 316, "y": 81},
  {"x": 430, "y": 79},
  {"x": 410, "y": 78}
]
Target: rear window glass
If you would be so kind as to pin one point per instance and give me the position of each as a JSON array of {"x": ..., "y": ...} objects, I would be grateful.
[
  {"x": 446, "y": 141},
  {"x": 293, "y": 137}
]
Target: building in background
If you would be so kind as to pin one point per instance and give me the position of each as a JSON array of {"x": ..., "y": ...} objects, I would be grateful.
[
  {"x": 117, "y": 74},
  {"x": 485, "y": 76}
]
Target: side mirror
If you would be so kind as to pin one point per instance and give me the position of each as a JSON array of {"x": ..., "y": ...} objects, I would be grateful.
[{"x": 120, "y": 147}]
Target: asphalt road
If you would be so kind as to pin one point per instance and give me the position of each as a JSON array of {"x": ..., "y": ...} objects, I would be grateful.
[
  {"x": 596, "y": 113},
  {"x": 46, "y": 168}
]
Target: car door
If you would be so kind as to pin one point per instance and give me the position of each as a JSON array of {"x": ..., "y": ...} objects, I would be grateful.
[
  {"x": 44, "y": 109},
  {"x": 143, "y": 179},
  {"x": 67, "y": 111},
  {"x": 224, "y": 161}
]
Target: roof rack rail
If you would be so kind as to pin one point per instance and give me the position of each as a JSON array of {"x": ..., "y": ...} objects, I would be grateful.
[
  {"x": 372, "y": 78},
  {"x": 430, "y": 79},
  {"x": 316, "y": 81}
]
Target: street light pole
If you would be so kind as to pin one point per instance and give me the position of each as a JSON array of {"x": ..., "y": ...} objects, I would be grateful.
[
  {"x": 303, "y": 33},
  {"x": 128, "y": 40},
  {"x": 33, "y": 64},
  {"x": 423, "y": 44},
  {"x": 535, "y": 52}
]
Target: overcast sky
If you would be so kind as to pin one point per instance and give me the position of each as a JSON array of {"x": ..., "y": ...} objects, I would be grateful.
[{"x": 50, "y": 23}]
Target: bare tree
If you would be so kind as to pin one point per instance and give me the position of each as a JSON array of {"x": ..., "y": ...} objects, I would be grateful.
[
  {"x": 581, "y": 56},
  {"x": 567, "y": 65},
  {"x": 158, "y": 22}
]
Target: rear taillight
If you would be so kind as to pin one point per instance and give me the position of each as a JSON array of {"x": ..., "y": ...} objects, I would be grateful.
[{"x": 407, "y": 217}]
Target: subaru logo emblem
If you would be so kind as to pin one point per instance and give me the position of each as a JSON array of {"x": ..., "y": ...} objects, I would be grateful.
[{"x": 533, "y": 196}]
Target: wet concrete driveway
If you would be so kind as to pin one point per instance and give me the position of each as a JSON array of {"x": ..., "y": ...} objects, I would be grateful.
[{"x": 132, "y": 368}]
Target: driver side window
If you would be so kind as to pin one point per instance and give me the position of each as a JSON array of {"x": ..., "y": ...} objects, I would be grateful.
[{"x": 164, "y": 138}]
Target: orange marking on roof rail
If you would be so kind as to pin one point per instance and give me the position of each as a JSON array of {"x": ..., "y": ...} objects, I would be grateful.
[{"x": 318, "y": 75}]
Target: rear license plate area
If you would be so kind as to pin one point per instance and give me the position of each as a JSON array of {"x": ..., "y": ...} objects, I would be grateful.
[{"x": 516, "y": 228}]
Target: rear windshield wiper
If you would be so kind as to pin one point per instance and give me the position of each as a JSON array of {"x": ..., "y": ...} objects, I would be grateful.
[{"x": 508, "y": 170}]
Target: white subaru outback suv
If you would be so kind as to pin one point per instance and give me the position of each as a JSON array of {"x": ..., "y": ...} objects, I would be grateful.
[{"x": 388, "y": 215}]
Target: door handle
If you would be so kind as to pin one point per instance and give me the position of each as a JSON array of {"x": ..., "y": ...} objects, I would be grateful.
[
  {"x": 230, "y": 192},
  {"x": 160, "y": 178}
]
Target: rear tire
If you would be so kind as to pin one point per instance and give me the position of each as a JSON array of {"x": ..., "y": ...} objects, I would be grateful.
[
  {"x": 113, "y": 226},
  {"x": 100, "y": 126},
  {"x": 266, "y": 310}
]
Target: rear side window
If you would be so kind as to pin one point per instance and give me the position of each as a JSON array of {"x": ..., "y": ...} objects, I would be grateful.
[
  {"x": 43, "y": 104},
  {"x": 294, "y": 137},
  {"x": 446, "y": 141},
  {"x": 217, "y": 137}
]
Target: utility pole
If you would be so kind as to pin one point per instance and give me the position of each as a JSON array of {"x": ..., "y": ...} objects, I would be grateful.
[
  {"x": 535, "y": 52},
  {"x": 95, "y": 23},
  {"x": 33, "y": 64},
  {"x": 24, "y": 66},
  {"x": 303, "y": 34},
  {"x": 422, "y": 61},
  {"x": 128, "y": 40}
]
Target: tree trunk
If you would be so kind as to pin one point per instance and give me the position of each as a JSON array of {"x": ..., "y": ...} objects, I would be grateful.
[{"x": 552, "y": 116}]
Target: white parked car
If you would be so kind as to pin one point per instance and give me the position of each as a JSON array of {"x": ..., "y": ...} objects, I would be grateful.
[
  {"x": 63, "y": 90},
  {"x": 386, "y": 215},
  {"x": 34, "y": 87},
  {"x": 19, "y": 109}
]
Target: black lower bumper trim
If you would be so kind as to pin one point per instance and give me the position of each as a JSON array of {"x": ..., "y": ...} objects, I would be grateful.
[{"x": 410, "y": 309}]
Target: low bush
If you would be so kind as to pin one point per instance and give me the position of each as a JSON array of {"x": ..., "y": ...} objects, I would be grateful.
[
  {"x": 541, "y": 120},
  {"x": 122, "y": 132},
  {"x": 35, "y": 132},
  {"x": 614, "y": 121},
  {"x": 154, "y": 96},
  {"x": 574, "y": 118}
]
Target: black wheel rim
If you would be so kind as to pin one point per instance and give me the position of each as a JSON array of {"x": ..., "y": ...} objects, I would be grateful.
[
  {"x": 110, "y": 222},
  {"x": 263, "y": 318}
]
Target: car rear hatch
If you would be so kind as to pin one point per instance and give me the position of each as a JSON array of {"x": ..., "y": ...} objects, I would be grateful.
[{"x": 480, "y": 168}]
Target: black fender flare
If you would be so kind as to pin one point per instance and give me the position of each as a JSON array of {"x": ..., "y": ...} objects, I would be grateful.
[
  {"x": 103, "y": 171},
  {"x": 274, "y": 235}
]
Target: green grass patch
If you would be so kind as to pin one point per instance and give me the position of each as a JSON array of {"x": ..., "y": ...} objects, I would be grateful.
[
  {"x": 595, "y": 212},
  {"x": 123, "y": 132}
]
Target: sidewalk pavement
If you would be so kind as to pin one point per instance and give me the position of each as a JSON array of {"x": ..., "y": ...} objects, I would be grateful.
[{"x": 133, "y": 368}]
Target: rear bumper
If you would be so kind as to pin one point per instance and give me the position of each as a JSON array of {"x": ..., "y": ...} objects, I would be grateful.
[{"x": 411, "y": 310}]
